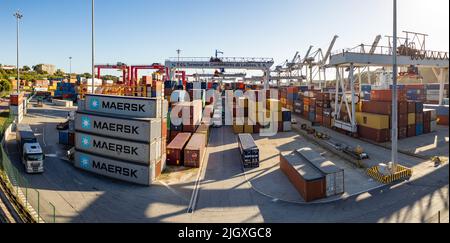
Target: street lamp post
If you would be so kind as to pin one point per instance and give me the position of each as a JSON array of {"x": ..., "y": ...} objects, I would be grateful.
[
  {"x": 93, "y": 48},
  {"x": 70, "y": 67},
  {"x": 18, "y": 16},
  {"x": 394, "y": 94}
]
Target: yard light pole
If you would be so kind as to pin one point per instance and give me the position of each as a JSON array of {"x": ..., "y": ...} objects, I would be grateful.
[
  {"x": 70, "y": 67},
  {"x": 394, "y": 94},
  {"x": 18, "y": 16},
  {"x": 93, "y": 48}
]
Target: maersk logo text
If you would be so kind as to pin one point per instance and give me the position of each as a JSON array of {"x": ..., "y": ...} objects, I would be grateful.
[
  {"x": 118, "y": 148},
  {"x": 85, "y": 141},
  {"x": 85, "y": 122},
  {"x": 114, "y": 169},
  {"x": 123, "y": 106},
  {"x": 95, "y": 104},
  {"x": 84, "y": 162}
]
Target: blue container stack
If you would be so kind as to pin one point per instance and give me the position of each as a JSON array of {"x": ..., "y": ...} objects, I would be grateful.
[
  {"x": 64, "y": 137},
  {"x": 204, "y": 85},
  {"x": 419, "y": 129},
  {"x": 63, "y": 89}
]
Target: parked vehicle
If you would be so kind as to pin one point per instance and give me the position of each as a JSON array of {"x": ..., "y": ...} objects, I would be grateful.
[{"x": 31, "y": 153}]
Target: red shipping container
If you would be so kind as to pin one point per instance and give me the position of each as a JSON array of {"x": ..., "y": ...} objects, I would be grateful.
[
  {"x": 426, "y": 127},
  {"x": 442, "y": 120},
  {"x": 383, "y": 107},
  {"x": 386, "y": 95},
  {"x": 164, "y": 128},
  {"x": 175, "y": 150},
  {"x": 194, "y": 152},
  {"x": 16, "y": 99},
  {"x": 411, "y": 107},
  {"x": 402, "y": 120},
  {"x": 411, "y": 131},
  {"x": 402, "y": 132},
  {"x": 379, "y": 136},
  {"x": 190, "y": 128},
  {"x": 173, "y": 135},
  {"x": 427, "y": 116},
  {"x": 158, "y": 169},
  {"x": 308, "y": 181},
  {"x": 319, "y": 119},
  {"x": 327, "y": 122}
]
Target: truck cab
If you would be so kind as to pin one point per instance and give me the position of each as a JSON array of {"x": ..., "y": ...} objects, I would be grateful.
[
  {"x": 31, "y": 153},
  {"x": 33, "y": 158}
]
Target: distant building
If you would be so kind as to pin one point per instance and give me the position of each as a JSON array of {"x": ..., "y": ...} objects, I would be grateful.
[
  {"x": 8, "y": 67},
  {"x": 49, "y": 68}
]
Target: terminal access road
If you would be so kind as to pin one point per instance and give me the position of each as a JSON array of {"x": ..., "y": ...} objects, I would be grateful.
[{"x": 223, "y": 194}]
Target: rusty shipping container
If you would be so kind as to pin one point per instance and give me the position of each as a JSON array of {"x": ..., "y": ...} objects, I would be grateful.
[
  {"x": 194, "y": 152},
  {"x": 376, "y": 135},
  {"x": 334, "y": 175},
  {"x": 204, "y": 129},
  {"x": 402, "y": 132},
  {"x": 411, "y": 131},
  {"x": 175, "y": 150},
  {"x": 307, "y": 180},
  {"x": 386, "y": 95},
  {"x": 383, "y": 107}
]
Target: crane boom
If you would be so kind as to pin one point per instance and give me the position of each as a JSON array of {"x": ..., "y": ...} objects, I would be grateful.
[{"x": 330, "y": 48}]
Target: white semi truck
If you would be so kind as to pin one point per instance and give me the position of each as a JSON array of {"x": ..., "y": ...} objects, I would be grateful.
[{"x": 31, "y": 153}]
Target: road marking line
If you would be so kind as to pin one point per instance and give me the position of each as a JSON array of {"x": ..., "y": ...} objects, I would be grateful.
[
  {"x": 172, "y": 190},
  {"x": 193, "y": 202}
]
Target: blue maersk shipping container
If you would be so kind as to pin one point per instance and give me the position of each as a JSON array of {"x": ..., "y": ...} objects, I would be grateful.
[
  {"x": 64, "y": 137},
  {"x": 419, "y": 107},
  {"x": 419, "y": 129}
]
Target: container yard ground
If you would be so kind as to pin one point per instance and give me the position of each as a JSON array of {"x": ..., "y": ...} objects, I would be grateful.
[
  {"x": 379, "y": 154},
  {"x": 270, "y": 180},
  {"x": 83, "y": 197},
  {"x": 224, "y": 195}
]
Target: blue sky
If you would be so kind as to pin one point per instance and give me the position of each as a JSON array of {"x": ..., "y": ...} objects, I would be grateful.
[{"x": 147, "y": 31}]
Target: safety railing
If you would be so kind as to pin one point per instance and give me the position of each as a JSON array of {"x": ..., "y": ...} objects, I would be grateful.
[
  {"x": 401, "y": 50},
  {"x": 222, "y": 59},
  {"x": 30, "y": 199}
]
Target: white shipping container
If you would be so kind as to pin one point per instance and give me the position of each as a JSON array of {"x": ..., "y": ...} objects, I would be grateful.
[
  {"x": 287, "y": 126},
  {"x": 97, "y": 82},
  {"x": 435, "y": 92},
  {"x": 63, "y": 103}
]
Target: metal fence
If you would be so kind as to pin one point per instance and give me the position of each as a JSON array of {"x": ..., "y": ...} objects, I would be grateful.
[{"x": 38, "y": 207}]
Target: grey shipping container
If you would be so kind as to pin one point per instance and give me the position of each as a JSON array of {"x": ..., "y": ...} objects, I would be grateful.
[
  {"x": 307, "y": 179},
  {"x": 141, "y": 130},
  {"x": 249, "y": 151},
  {"x": 125, "y": 106},
  {"x": 334, "y": 175},
  {"x": 121, "y": 170},
  {"x": 142, "y": 153}
]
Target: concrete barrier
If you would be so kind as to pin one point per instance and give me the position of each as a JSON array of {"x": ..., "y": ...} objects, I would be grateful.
[{"x": 63, "y": 103}]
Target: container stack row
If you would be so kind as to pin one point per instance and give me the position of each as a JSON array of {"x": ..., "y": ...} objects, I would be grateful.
[{"x": 121, "y": 137}]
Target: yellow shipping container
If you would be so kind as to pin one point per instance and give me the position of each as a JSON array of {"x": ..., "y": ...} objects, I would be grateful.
[
  {"x": 374, "y": 121},
  {"x": 276, "y": 116},
  {"x": 273, "y": 105},
  {"x": 248, "y": 129},
  {"x": 411, "y": 119},
  {"x": 238, "y": 129}
]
